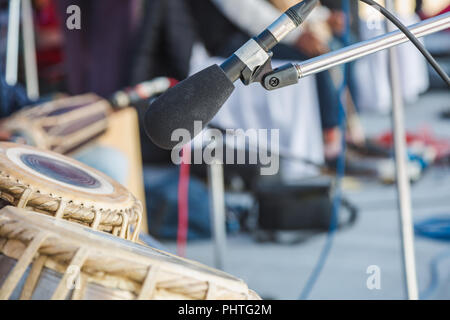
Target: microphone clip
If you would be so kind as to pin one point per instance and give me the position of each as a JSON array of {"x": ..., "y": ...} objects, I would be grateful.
[
  {"x": 248, "y": 76},
  {"x": 269, "y": 78},
  {"x": 281, "y": 77}
]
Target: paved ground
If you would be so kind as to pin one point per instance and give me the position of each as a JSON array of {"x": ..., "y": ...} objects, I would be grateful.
[{"x": 280, "y": 271}]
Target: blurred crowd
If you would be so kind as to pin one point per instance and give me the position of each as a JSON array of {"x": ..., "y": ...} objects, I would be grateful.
[{"x": 122, "y": 43}]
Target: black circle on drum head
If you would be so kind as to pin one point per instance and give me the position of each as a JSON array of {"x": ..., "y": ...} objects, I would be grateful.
[{"x": 60, "y": 171}]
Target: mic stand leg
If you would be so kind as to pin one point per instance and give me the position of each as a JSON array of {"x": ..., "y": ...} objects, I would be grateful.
[
  {"x": 217, "y": 209},
  {"x": 31, "y": 71},
  {"x": 402, "y": 175},
  {"x": 12, "y": 50}
]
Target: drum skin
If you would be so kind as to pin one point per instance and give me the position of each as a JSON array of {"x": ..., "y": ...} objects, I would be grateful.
[
  {"x": 47, "y": 182},
  {"x": 110, "y": 267}
]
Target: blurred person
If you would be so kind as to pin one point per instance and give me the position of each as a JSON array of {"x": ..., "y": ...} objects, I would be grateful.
[
  {"x": 13, "y": 98},
  {"x": 302, "y": 44},
  {"x": 3, "y": 32},
  {"x": 430, "y": 8},
  {"x": 49, "y": 45},
  {"x": 162, "y": 47},
  {"x": 171, "y": 27},
  {"x": 338, "y": 39},
  {"x": 374, "y": 89},
  {"x": 164, "y": 41},
  {"x": 97, "y": 55}
]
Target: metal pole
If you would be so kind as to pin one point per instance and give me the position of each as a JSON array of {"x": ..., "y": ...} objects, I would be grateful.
[
  {"x": 217, "y": 205},
  {"x": 365, "y": 48},
  {"x": 403, "y": 182},
  {"x": 31, "y": 72},
  {"x": 12, "y": 50},
  {"x": 356, "y": 51}
]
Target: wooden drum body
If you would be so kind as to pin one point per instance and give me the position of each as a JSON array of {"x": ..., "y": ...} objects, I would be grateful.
[
  {"x": 62, "y": 125},
  {"x": 42, "y": 257},
  {"x": 49, "y": 183}
]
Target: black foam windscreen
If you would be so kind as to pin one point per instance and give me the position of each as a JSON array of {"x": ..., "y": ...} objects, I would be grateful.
[{"x": 197, "y": 98}]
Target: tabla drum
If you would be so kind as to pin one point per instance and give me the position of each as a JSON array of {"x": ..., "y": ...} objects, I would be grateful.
[
  {"x": 53, "y": 184},
  {"x": 62, "y": 125},
  {"x": 45, "y": 258}
]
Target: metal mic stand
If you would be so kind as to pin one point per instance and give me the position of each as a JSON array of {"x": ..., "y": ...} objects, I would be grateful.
[
  {"x": 290, "y": 74},
  {"x": 216, "y": 188},
  {"x": 403, "y": 182},
  {"x": 217, "y": 206}
]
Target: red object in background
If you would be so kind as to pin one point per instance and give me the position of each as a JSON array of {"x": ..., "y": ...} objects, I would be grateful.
[
  {"x": 173, "y": 82},
  {"x": 424, "y": 136},
  {"x": 183, "y": 201},
  {"x": 424, "y": 16},
  {"x": 143, "y": 91},
  {"x": 49, "y": 40}
]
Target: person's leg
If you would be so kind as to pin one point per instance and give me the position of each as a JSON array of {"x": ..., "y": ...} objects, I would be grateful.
[
  {"x": 336, "y": 44},
  {"x": 329, "y": 113}
]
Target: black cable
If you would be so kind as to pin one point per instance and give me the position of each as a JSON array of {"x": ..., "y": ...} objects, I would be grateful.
[
  {"x": 283, "y": 154},
  {"x": 412, "y": 38}
]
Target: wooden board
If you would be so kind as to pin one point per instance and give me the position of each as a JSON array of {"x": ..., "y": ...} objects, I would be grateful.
[{"x": 123, "y": 134}]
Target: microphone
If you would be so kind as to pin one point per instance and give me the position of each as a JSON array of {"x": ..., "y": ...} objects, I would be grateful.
[{"x": 200, "y": 97}]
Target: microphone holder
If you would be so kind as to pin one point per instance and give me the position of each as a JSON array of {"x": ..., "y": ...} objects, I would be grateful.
[{"x": 290, "y": 74}]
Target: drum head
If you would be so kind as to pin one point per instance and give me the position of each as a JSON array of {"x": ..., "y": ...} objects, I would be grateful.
[
  {"x": 109, "y": 261},
  {"x": 62, "y": 125},
  {"x": 49, "y": 177}
]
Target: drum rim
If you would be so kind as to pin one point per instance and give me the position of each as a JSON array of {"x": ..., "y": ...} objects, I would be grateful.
[
  {"x": 54, "y": 104},
  {"x": 30, "y": 121}
]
